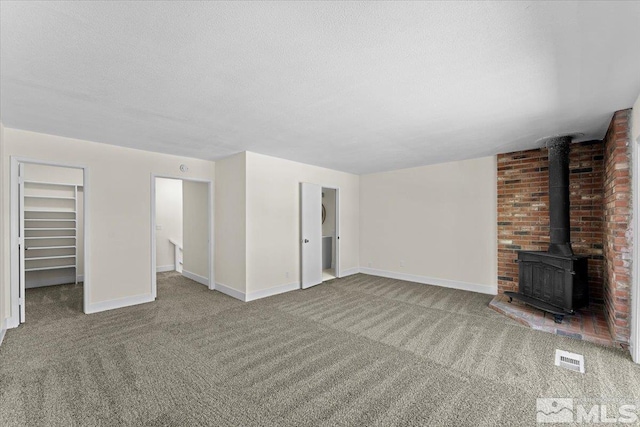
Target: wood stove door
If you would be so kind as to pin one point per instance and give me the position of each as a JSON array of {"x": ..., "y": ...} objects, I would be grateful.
[{"x": 544, "y": 282}]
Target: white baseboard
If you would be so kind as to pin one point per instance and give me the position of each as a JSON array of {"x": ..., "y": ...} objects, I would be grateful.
[
  {"x": 195, "y": 277},
  {"x": 272, "y": 291},
  {"x": 349, "y": 272},
  {"x": 227, "y": 290},
  {"x": 118, "y": 303},
  {"x": 165, "y": 268},
  {"x": 3, "y": 330},
  {"x": 12, "y": 322},
  {"x": 445, "y": 283}
]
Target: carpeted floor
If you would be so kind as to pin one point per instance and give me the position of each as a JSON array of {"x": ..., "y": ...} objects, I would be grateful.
[{"x": 356, "y": 351}]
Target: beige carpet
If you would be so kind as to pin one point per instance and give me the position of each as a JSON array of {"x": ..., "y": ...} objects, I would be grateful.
[{"x": 356, "y": 351}]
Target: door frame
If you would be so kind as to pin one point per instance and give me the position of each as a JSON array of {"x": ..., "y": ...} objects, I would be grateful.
[
  {"x": 337, "y": 270},
  {"x": 211, "y": 246},
  {"x": 14, "y": 207},
  {"x": 635, "y": 274}
]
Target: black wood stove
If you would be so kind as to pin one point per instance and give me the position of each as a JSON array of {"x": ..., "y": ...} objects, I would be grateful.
[{"x": 555, "y": 281}]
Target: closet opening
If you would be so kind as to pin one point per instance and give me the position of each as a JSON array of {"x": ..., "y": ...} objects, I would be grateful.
[
  {"x": 181, "y": 230},
  {"x": 48, "y": 228}
]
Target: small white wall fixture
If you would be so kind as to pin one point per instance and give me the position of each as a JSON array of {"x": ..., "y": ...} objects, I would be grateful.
[
  {"x": 211, "y": 248},
  {"x": 16, "y": 295}
]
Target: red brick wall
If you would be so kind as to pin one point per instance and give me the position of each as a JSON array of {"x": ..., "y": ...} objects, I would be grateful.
[
  {"x": 617, "y": 202},
  {"x": 523, "y": 215}
]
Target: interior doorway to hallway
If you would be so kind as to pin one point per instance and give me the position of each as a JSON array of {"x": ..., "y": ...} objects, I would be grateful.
[
  {"x": 182, "y": 229},
  {"x": 329, "y": 235},
  {"x": 320, "y": 234}
]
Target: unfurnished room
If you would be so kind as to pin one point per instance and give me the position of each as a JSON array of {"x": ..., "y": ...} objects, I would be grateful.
[{"x": 296, "y": 213}]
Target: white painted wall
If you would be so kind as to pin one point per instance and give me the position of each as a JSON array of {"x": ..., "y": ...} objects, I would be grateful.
[
  {"x": 196, "y": 229},
  {"x": 434, "y": 224},
  {"x": 273, "y": 219},
  {"x": 119, "y": 191},
  {"x": 57, "y": 174},
  {"x": 230, "y": 223},
  {"x": 168, "y": 221}
]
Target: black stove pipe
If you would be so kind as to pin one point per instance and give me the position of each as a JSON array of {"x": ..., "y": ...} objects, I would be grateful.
[{"x": 559, "y": 196}]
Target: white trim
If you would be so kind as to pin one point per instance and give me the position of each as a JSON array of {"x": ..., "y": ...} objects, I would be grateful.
[
  {"x": 272, "y": 291},
  {"x": 12, "y": 323},
  {"x": 165, "y": 268},
  {"x": 246, "y": 297},
  {"x": 209, "y": 182},
  {"x": 634, "y": 347},
  {"x": 349, "y": 272},
  {"x": 55, "y": 184},
  {"x": 336, "y": 233},
  {"x": 445, "y": 283},
  {"x": 195, "y": 277},
  {"x": 118, "y": 303},
  {"x": 3, "y": 330},
  {"x": 14, "y": 320},
  {"x": 14, "y": 285},
  {"x": 227, "y": 290}
]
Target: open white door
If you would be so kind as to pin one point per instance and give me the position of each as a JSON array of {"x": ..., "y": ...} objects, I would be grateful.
[
  {"x": 310, "y": 234},
  {"x": 21, "y": 241},
  {"x": 337, "y": 235}
]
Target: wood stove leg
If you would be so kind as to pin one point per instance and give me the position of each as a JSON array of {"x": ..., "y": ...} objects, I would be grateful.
[{"x": 558, "y": 318}]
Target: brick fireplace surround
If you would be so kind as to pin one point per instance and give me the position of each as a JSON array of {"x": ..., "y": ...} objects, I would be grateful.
[{"x": 600, "y": 194}]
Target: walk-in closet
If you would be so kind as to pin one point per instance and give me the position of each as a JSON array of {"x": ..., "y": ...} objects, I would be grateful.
[{"x": 51, "y": 236}]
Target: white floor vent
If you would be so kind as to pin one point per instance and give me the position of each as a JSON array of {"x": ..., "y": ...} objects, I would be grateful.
[{"x": 571, "y": 361}]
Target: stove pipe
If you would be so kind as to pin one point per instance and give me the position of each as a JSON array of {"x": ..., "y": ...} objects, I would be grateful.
[{"x": 559, "y": 196}]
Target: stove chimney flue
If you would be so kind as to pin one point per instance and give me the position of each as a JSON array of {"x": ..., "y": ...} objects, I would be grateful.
[{"x": 559, "y": 207}]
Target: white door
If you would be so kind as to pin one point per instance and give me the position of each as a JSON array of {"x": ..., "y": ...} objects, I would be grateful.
[
  {"x": 21, "y": 241},
  {"x": 337, "y": 236},
  {"x": 311, "y": 234}
]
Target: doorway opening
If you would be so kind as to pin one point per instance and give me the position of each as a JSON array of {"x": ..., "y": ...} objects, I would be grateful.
[
  {"x": 181, "y": 231},
  {"x": 48, "y": 226},
  {"x": 329, "y": 236},
  {"x": 320, "y": 234}
]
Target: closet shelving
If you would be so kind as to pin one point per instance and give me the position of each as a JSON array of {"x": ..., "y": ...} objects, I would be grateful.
[{"x": 50, "y": 227}]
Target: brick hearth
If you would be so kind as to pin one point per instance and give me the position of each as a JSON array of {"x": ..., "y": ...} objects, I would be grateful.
[{"x": 587, "y": 325}]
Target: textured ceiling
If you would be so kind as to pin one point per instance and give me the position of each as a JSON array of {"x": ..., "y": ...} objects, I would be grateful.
[{"x": 354, "y": 86}]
